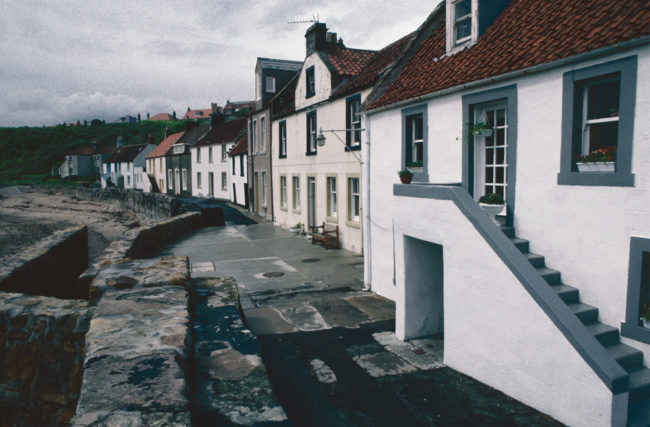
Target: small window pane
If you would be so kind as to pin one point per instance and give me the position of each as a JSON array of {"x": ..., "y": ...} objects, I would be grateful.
[
  {"x": 489, "y": 156},
  {"x": 501, "y": 117},
  {"x": 603, "y": 135},
  {"x": 501, "y": 154},
  {"x": 489, "y": 141},
  {"x": 463, "y": 7},
  {"x": 603, "y": 99},
  {"x": 489, "y": 175},
  {"x": 463, "y": 29}
]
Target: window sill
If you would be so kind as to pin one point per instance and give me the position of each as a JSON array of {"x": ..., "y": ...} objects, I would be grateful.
[
  {"x": 282, "y": 156},
  {"x": 284, "y": 208},
  {"x": 635, "y": 332},
  {"x": 332, "y": 220},
  {"x": 309, "y": 95},
  {"x": 311, "y": 153},
  {"x": 353, "y": 224},
  {"x": 353, "y": 147},
  {"x": 611, "y": 179},
  {"x": 296, "y": 211}
]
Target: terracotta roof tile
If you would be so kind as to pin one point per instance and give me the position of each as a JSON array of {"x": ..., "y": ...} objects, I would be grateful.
[
  {"x": 348, "y": 62},
  {"x": 164, "y": 145},
  {"x": 527, "y": 33},
  {"x": 223, "y": 132},
  {"x": 241, "y": 147},
  {"x": 162, "y": 116},
  {"x": 197, "y": 114}
]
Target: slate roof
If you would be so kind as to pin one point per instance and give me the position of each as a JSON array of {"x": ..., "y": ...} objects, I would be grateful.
[
  {"x": 190, "y": 137},
  {"x": 162, "y": 116},
  {"x": 527, "y": 33},
  {"x": 226, "y": 131},
  {"x": 279, "y": 64},
  {"x": 125, "y": 153},
  {"x": 162, "y": 148},
  {"x": 370, "y": 73},
  {"x": 81, "y": 151},
  {"x": 241, "y": 147}
]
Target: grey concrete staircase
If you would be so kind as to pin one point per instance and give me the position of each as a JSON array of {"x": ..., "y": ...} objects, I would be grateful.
[{"x": 628, "y": 357}]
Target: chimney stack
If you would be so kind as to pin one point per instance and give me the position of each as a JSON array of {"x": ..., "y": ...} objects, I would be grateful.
[
  {"x": 120, "y": 141},
  {"x": 331, "y": 37},
  {"x": 217, "y": 117},
  {"x": 316, "y": 38}
]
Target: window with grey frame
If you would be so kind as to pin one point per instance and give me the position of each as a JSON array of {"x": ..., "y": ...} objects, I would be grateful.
[
  {"x": 598, "y": 108},
  {"x": 637, "y": 314},
  {"x": 353, "y": 121},
  {"x": 311, "y": 133},
  {"x": 414, "y": 148},
  {"x": 310, "y": 82}
]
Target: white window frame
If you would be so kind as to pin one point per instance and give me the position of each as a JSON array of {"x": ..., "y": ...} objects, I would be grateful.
[
  {"x": 224, "y": 153},
  {"x": 270, "y": 84},
  {"x": 454, "y": 44},
  {"x": 184, "y": 179},
  {"x": 295, "y": 192},
  {"x": 224, "y": 181},
  {"x": 198, "y": 180},
  {"x": 283, "y": 192},
  {"x": 198, "y": 154},
  {"x": 264, "y": 188},
  {"x": 354, "y": 199},
  {"x": 332, "y": 208}
]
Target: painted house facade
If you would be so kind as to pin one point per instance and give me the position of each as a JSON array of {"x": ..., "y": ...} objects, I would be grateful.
[
  {"x": 315, "y": 184},
  {"x": 178, "y": 160},
  {"x": 126, "y": 166},
  {"x": 238, "y": 164},
  {"x": 475, "y": 108},
  {"x": 156, "y": 164},
  {"x": 210, "y": 157},
  {"x": 78, "y": 162},
  {"x": 270, "y": 76}
]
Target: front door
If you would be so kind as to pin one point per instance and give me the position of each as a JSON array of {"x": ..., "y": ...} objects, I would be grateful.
[
  {"x": 256, "y": 186},
  {"x": 177, "y": 182},
  {"x": 311, "y": 201},
  {"x": 210, "y": 184},
  {"x": 491, "y": 151}
]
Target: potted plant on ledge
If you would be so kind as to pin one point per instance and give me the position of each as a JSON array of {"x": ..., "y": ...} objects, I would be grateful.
[
  {"x": 599, "y": 160},
  {"x": 492, "y": 204},
  {"x": 296, "y": 229},
  {"x": 405, "y": 176}
]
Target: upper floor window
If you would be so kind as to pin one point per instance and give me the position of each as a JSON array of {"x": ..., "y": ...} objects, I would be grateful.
[
  {"x": 462, "y": 21},
  {"x": 263, "y": 188},
  {"x": 270, "y": 84},
  {"x": 353, "y": 199},
  {"x": 224, "y": 151},
  {"x": 310, "y": 82},
  {"x": 414, "y": 128},
  {"x": 262, "y": 134},
  {"x": 253, "y": 137},
  {"x": 198, "y": 154},
  {"x": 209, "y": 154},
  {"x": 353, "y": 121},
  {"x": 598, "y": 105},
  {"x": 311, "y": 133},
  {"x": 241, "y": 165},
  {"x": 198, "y": 180},
  {"x": 283, "y": 192},
  {"x": 282, "y": 137}
]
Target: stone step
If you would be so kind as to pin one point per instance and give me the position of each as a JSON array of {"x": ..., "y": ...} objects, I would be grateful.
[
  {"x": 551, "y": 276},
  {"x": 640, "y": 384},
  {"x": 568, "y": 294},
  {"x": 536, "y": 260},
  {"x": 639, "y": 414},
  {"x": 508, "y": 231},
  {"x": 521, "y": 244},
  {"x": 628, "y": 357},
  {"x": 585, "y": 312},
  {"x": 605, "y": 334}
]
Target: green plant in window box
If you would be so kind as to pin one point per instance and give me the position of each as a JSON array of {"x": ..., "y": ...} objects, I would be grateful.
[
  {"x": 645, "y": 315},
  {"x": 417, "y": 164},
  {"x": 405, "y": 176},
  {"x": 492, "y": 204},
  {"x": 600, "y": 155},
  {"x": 491, "y": 199},
  {"x": 479, "y": 129}
]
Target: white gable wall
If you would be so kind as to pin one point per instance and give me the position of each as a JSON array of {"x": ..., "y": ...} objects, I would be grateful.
[{"x": 322, "y": 84}]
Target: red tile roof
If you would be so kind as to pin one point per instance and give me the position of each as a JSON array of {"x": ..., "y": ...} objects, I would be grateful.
[
  {"x": 198, "y": 114},
  {"x": 525, "y": 34},
  {"x": 126, "y": 153},
  {"x": 347, "y": 62},
  {"x": 241, "y": 147},
  {"x": 223, "y": 132},
  {"x": 164, "y": 145},
  {"x": 81, "y": 151},
  {"x": 162, "y": 116},
  {"x": 374, "y": 67}
]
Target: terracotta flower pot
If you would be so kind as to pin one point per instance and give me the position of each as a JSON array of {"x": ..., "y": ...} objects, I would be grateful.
[{"x": 406, "y": 179}]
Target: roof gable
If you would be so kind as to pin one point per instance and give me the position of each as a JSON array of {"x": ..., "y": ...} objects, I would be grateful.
[
  {"x": 223, "y": 132},
  {"x": 164, "y": 145}
]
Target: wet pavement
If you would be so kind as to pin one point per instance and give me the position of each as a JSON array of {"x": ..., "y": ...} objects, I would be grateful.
[{"x": 327, "y": 344}]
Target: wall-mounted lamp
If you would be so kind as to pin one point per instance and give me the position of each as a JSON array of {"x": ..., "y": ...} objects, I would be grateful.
[{"x": 320, "y": 139}]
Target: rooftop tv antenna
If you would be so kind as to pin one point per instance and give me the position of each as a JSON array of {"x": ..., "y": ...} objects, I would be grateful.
[{"x": 313, "y": 20}]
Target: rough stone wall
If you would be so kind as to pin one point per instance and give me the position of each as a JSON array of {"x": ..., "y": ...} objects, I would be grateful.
[
  {"x": 50, "y": 267},
  {"x": 41, "y": 356},
  {"x": 154, "y": 205},
  {"x": 138, "y": 345}
]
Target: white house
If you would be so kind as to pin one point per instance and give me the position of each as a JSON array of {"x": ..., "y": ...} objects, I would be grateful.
[
  {"x": 548, "y": 83},
  {"x": 125, "y": 167},
  {"x": 238, "y": 166},
  {"x": 156, "y": 164},
  {"x": 210, "y": 157},
  {"x": 316, "y": 183}
]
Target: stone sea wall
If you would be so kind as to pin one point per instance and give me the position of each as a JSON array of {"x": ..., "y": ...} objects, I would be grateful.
[
  {"x": 50, "y": 267},
  {"x": 42, "y": 348}
]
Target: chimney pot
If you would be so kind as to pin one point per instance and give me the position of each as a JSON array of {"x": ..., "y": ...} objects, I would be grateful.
[{"x": 316, "y": 37}]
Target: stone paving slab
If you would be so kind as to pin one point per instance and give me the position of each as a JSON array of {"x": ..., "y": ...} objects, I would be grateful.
[
  {"x": 267, "y": 321},
  {"x": 373, "y": 305}
]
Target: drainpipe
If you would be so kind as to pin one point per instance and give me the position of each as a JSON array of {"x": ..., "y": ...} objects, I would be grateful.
[{"x": 365, "y": 175}]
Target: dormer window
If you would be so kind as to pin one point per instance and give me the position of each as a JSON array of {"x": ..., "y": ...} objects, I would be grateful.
[
  {"x": 462, "y": 21},
  {"x": 310, "y": 82},
  {"x": 270, "y": 84},
  {"x": 462, "y": 25}
]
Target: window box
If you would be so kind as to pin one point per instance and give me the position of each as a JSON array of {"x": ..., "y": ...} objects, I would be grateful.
[{"x": 597, "y": 167}]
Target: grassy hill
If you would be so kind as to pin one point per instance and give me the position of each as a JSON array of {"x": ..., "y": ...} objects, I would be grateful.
[{"x": 30, "y": 153}]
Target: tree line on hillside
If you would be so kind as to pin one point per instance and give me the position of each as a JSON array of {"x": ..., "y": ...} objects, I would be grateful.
[{"x": 35, "y": 150}]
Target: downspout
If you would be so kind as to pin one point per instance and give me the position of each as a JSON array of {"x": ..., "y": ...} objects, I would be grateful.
[{"x": 367, "y": 248}]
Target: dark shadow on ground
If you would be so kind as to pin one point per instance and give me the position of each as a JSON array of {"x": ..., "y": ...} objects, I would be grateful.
[{"x": 433, "y": 397}]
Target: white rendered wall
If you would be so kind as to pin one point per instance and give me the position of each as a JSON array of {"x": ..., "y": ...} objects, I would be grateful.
[
  {"x": 322, "y": 82},
  {"x": 216, "y": 167},
  {"x": 156, "y": 167},
  {"x": 583, "y": 231},
  {"x": 237, "y": 179},
  {"x": 331, "y": 160},
  {"x": 493, "y": 329}
]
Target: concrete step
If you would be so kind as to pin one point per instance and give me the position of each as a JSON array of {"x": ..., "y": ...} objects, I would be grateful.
[
  {"x": 585, "y": 312},
  {"x": 521, "y": 244},
  {"x": 639, "y": 414},
  {"x": 508, "y": 231},
  {"x": 551, "y": 276},
  {"x": 568, "y": 294},
  {"x": 536, "y": 260},
  {"x": 605, "y": 334},
  {"x": 628, "y": 357},
  {"x": 640, "y": 385}
]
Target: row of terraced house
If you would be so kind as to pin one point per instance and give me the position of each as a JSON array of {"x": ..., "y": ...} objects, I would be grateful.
[{"x": 542, "y": 102}]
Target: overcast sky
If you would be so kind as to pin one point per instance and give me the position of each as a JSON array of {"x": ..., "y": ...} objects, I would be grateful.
[{"x": 65, "y": 60}]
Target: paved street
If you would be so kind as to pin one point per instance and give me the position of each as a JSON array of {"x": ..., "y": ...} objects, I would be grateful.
[{"x": 328, "y": 345}]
